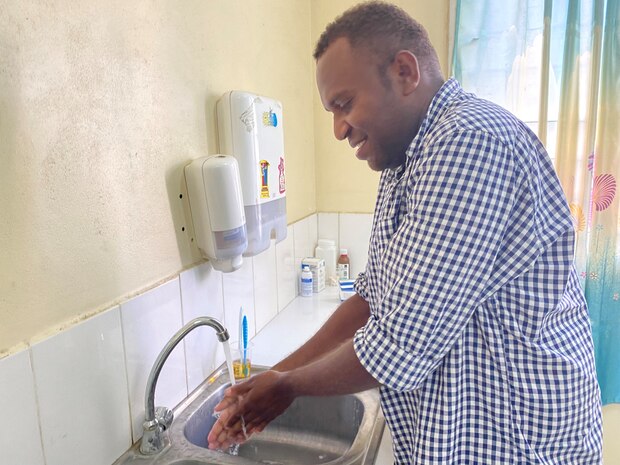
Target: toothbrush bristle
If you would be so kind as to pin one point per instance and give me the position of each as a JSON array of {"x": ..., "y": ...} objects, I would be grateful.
[{"x": 245, "y": 331}]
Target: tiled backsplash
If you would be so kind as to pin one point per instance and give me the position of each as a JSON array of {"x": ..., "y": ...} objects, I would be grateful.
[{"x": 78, "y": 397}]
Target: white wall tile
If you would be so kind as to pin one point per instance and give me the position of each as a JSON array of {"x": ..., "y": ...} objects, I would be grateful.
[
  {"x": 82, "y": 390},
  {"x": 239, "y": 292},
  {"x": 304, "y": 247},
  {"x": 313, "y": 232},
  {"x": 286, "y": 269},
  {"x": 19, "y": 412},
  {"x": 149, "y": 321},
  {"x": 327, "y": 226},
  {"x": 355, "y": 236},
  {"x": 265, "y": 287},
  {"x": 202, "y": 295}
]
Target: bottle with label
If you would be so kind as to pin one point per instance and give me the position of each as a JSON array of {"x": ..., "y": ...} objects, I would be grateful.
[
  {"x": 305, "y": 284},
  {"x": 343, "y": 265}
]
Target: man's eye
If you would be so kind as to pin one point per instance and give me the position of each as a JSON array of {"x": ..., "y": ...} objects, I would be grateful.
[{"x": 345, "y": 105}]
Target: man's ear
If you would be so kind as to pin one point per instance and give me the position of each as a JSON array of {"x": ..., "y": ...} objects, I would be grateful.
[{"x": 406, "y": 71}]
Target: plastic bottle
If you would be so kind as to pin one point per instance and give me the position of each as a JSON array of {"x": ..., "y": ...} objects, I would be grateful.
[
  {"x": 305, "y": 285},
  {"x": 326, "y": 249},
  {"x": 342, "y": 265}
]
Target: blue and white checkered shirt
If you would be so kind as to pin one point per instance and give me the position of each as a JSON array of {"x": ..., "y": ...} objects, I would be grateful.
[{"x": 479, "y": 330}]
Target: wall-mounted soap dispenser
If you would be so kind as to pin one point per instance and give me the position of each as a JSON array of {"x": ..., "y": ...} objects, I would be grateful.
[
  {"x": 250, "y": 129},
  {"x": 216, "y": 205}
]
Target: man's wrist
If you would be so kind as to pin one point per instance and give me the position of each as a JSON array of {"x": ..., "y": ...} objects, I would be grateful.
[{"x": 292, "y": 382}]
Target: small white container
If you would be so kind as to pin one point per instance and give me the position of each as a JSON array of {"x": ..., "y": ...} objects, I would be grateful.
[
  {"x": 326, "y": 249},
  {"x": 305, "y": 283}
]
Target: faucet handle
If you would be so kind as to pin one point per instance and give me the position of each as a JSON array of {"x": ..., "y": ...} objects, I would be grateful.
[{"x": 164, "y": 417}]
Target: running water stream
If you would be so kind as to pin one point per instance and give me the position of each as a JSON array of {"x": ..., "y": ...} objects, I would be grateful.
[
  {"x": 229, "y": 363},
  {"x": 234, "y": 448}
]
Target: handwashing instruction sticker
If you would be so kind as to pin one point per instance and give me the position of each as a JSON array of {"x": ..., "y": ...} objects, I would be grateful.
[{"x": 264, "y": 179}]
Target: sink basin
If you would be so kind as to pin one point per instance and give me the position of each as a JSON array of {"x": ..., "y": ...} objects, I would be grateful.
[
  {"x": 313, "y": 430},
  {"x": 339, "y": 430}
]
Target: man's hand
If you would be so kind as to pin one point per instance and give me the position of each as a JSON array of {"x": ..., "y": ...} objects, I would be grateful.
[
  {"x": 223, "y": 411},
  {"x": 253, "y": 403}
]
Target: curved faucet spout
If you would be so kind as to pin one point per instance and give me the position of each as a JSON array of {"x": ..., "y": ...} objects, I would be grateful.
[{"x": 152, "y": 441}]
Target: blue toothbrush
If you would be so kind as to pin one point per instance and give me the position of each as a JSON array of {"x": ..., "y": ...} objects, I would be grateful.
[{"x": 244, "y": 333}]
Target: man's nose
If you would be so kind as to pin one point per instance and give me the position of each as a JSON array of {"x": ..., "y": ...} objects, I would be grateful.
[{"x": 341, "y": 128}]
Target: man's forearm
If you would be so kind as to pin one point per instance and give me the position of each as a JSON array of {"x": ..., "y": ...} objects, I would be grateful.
[
  {"x": 338, "y": 372},
  {"x": 351, "y": 315}
]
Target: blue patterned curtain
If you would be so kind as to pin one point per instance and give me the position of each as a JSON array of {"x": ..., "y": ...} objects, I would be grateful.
[{"x": 556, "y": 65}]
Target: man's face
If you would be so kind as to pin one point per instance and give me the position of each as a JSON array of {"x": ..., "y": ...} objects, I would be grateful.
[{"x": 368, "y": 109}]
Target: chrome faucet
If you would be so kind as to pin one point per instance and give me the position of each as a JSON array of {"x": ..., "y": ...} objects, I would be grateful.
[{"x": 156, "y": 421}]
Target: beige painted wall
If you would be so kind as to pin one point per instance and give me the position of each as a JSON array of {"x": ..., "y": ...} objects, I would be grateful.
[
  {"x": 101, "y": 106},
  {"x": 343, "y": 183}
]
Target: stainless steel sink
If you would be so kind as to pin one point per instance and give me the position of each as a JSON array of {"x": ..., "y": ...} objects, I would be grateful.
[{"x": 339, "y": 430}]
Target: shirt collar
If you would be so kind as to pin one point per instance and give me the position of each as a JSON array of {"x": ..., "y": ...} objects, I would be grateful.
[{"x": 441, "y": 100}]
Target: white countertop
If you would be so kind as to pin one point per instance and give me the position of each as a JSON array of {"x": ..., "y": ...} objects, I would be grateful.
[{"x": 293, "y": 326}]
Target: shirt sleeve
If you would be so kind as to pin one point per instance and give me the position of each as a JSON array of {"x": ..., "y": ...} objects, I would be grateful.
[
  {"x": 361, "y": 285},
  {"x": 442, "y": 259}
]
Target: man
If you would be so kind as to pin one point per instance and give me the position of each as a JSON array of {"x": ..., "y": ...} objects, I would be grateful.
[{"x": 469, "y": 315}]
